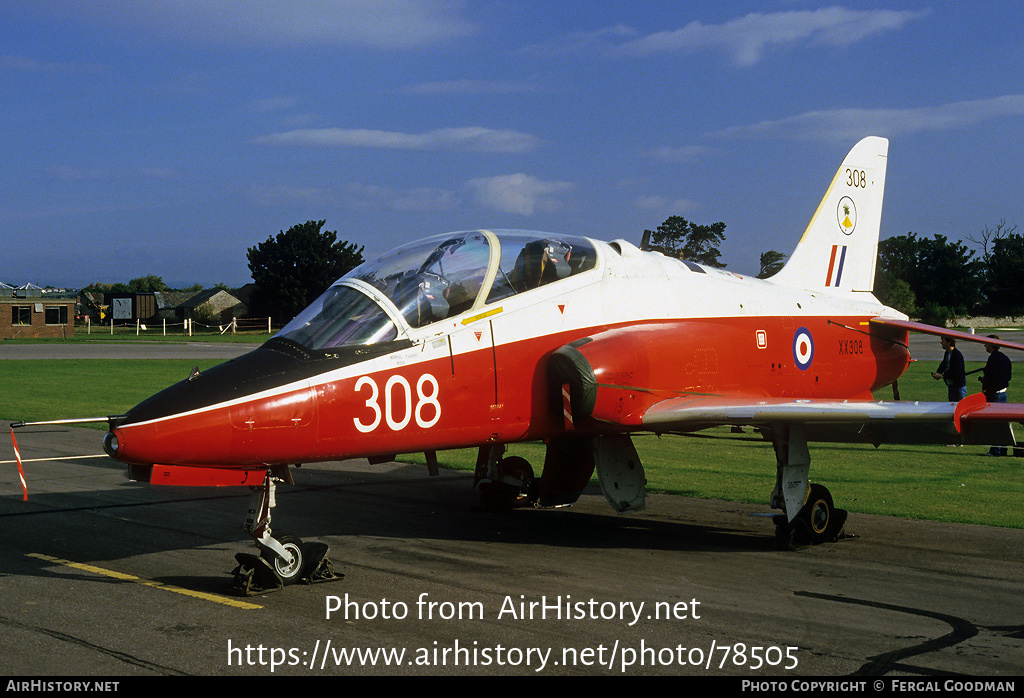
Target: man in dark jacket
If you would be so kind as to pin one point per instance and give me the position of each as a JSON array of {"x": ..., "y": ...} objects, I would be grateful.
[
  {"x": 951, "y": 371},
  {"x": 995, "y": 379}
]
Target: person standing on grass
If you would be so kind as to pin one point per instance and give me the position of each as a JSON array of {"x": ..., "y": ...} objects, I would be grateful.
[
  {"x": 995, "y": 379},
  {"x": 952, "y": 371}
]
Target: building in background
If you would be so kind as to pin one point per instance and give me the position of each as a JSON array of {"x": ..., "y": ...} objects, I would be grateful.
[{"x": 30, "y": 311}]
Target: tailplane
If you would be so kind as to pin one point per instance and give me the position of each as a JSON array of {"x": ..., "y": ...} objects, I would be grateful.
[{"x": 840, "y": 246}]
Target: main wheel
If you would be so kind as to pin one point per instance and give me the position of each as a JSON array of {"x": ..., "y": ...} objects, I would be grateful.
[
  {"x": 287, "y": 570},
  {"x": 818, "y": 514},
  {"x": 513, "y": 487}
]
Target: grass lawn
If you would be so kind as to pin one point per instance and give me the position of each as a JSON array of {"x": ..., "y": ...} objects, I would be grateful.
[
  {"x": 58, "y": 389},
  {"x": 124, "y": 335}
]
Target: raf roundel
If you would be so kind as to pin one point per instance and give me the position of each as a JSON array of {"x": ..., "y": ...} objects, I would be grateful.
[{"x": 803, "y": 348}]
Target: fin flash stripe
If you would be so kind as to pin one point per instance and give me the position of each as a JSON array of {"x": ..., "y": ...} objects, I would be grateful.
[{"x": 829, "y": 280}]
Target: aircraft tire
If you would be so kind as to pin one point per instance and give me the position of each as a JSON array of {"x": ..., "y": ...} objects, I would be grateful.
[
  {"x": 289, "y": 573},
  {"x": 818, "y": 515},
  {"x": 503, "y": 494}
]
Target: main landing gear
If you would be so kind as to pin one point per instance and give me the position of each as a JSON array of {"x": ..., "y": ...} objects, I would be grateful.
[
  {"x": 505, "y": 483},
  {"x": 283, "y": 560},
  {"x": 816, "y": 519}
]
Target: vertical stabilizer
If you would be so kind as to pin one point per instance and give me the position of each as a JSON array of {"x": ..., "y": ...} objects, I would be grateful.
[{"x": 838, "y": 250}]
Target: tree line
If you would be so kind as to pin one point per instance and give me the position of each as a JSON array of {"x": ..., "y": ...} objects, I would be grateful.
[
  {"x": 683, "y": 239},
  {"x": 142, "y": 284},
  {"x": 935, "y": 279}
]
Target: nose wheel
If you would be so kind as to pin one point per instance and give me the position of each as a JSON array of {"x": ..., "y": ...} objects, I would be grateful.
[
  {"x": 283, "y": 560},
  {"x": 287, "y": 568}
]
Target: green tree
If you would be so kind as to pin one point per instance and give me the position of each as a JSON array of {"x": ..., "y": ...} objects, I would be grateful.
[
  {"x": 895, "y": 293},
  {"x": 950, "y": 276},
  {"x": 1006, "y": 275},
  {"x": 294, "y": 267},
  {"x": 678, "y": 237},
  {"x": 941, "y": 277},
  {"x": 147, "y": 284},
  {"x": 772, "y": 262},
  {"x": 898, "y": 258}
]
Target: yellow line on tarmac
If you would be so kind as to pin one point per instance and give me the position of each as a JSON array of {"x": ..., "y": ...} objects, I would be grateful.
[{"x": 146, "y": 582}]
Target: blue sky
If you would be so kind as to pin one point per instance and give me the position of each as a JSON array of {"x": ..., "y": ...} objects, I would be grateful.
[{"x": 168, "y": 136}]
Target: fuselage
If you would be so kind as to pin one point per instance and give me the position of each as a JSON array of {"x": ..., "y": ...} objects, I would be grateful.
[{"x": 453, "y": 349}]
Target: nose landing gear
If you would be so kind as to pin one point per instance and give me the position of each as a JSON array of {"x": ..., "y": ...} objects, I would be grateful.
[{"x": 283, "y": 560}]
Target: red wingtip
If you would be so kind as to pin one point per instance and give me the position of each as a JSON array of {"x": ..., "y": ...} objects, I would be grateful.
[{"x": 969, "y": 404}]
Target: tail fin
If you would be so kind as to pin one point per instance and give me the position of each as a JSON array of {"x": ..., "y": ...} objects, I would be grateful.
[{"x": 839, "y": 248}]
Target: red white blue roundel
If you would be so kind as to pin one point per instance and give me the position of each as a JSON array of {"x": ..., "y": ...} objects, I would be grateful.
[{"x": 803, "y": 348}]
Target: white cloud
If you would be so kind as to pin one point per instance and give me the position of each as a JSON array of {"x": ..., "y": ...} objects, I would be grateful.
[
  {"x": 689, "y": 153},
  {"x": 470, "y": 87},
  {"x": 747, "y": 38},
  {"x": 606, "y": 37},
  {"x": 474, "y": 139},
  {"x": 357, "y": 195},
  {"x": 415, "y": 199},
  {"x": 11, "y": 62},
  {"x": 852, "y": 124},
  {"x": 393, "y": 24},
  {"x": 517, "y": 193},
  {"x": 273, "y": 104},
  {"x": 71, "y": 173},
  {"x": 663, "y": 203}
]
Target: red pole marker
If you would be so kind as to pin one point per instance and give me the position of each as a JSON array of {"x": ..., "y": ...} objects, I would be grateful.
[{"x": 21, "y": 473}]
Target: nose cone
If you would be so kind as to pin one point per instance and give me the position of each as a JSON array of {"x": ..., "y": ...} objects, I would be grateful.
[
  {"x": 257, "y": 409},
  {"x": 202, "y": 419},
  {"x": 110, "y": 444},
  {"x": 272, "y": 365}
]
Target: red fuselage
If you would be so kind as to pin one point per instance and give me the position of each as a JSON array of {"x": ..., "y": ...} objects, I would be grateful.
[{"x": 502, "y": 392}]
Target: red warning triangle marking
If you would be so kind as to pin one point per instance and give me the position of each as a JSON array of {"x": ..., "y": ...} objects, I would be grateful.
[
  {"x": 478, "y": 335},
  {"x": 561, "y": 308}
]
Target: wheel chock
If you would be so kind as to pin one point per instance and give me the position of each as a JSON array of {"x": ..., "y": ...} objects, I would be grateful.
[
  {"x": 318, "y": 567},
  {"x": 254, "y": 576}
]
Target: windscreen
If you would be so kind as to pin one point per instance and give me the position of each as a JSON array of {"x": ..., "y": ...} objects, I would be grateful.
[
  {"x": 431, "y": 280},
  {"x": 435, "y": 279},
  {"x": 340, "y": 316}
]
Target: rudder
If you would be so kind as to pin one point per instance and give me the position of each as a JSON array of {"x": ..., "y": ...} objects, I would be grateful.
[{"x": 839, "y": 248}]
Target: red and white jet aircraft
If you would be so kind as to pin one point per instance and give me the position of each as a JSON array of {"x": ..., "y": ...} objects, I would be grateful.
[{"x": 484, "y": 338}]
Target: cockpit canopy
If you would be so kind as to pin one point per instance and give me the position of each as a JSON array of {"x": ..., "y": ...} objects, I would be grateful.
[{"x": 434, "y": 279}]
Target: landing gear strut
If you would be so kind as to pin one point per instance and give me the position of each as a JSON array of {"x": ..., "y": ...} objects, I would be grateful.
[
  {"x": 811, "y": 516},
  {"x": 283, "y": 560}
]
